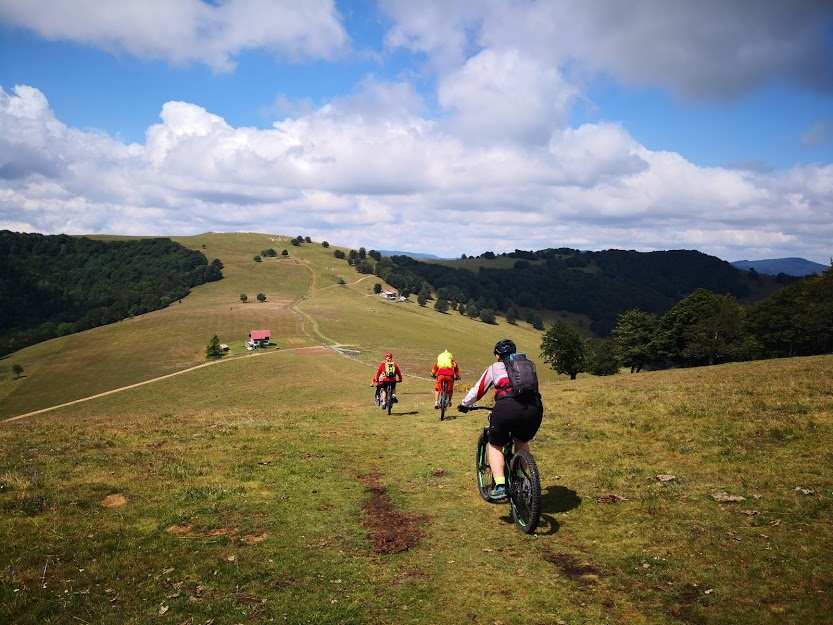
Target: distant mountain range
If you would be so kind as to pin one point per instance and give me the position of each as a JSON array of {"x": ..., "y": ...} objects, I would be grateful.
[
  {"x": 788, "y": 266},
  {"x": 417, "y": 255}
]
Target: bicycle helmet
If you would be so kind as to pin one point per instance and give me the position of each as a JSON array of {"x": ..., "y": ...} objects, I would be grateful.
[
  {"x": 505, "y": 347},
  {"x": 388, "y": 355}
]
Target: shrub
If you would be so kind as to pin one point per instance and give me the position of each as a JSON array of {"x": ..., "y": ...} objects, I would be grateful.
[
  {"x": 341, "y": 281},
  {"x": 284, "y": 252},
  {"x": 441, "y": 305},
  {"x": 487, "y": 315},
  {"x": 364, "y": 266},
  {"x": 422, "y": 298},
  {"x": 261, "y": 297},
  {"x": 244, "y": 298},
  {"x": 17, "y": 370},
  {"x": 338, "y": 254},
  {"x": 325, "y": 244},
  {"x": 258, "y": 259},
  {"x": 377, "y": 288},
  {"x": 308, "y": 240},
  {"x": 213, "y": 349}
]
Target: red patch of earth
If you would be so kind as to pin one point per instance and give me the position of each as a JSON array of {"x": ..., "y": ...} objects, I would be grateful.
[
  {"x": 388, "y": 529},
  {"x": 253, "y": 539},
  {"x": 114, "y": 501}
]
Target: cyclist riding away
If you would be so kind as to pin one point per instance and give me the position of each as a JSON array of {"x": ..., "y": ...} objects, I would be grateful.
[
  {"x": 445, "y": 369},
  {"x": 387, "y": 372},
  {"x": 518, "y": 408}
]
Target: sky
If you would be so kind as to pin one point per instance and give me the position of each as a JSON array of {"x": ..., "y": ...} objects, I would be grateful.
[{"x": 447, "y": 126}]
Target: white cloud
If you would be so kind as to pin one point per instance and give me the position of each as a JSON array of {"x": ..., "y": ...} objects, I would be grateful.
[
  {"x": 371, "y": 169},
  {"x": 705, "y": 49},
  {"x": 501, "y": 95},
  {"x": 187, "y": 30}
]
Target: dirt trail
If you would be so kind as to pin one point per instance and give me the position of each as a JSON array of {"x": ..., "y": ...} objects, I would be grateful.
[
  {"x": 316, "y": 334},
  {"x": 157, "y": 379}
]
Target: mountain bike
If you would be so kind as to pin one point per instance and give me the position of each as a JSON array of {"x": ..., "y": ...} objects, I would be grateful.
[
  {"x": 523, "y": 481},
  {"x": 387, "y": 389},
  {"x": 444, "y": 400}
]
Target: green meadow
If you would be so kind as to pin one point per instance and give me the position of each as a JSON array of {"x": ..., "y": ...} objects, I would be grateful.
[{"x": 269, "y": 488}]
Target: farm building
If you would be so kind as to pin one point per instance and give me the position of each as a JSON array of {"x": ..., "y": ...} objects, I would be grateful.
[{"x": 259, "y": 338}]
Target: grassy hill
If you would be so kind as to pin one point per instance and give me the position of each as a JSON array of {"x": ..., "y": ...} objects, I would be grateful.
[
  {"x": 269, "y": 488},
  {"x": 597, "y": 286}
]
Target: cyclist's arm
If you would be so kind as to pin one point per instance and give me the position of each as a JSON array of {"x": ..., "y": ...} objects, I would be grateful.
[
  {"x": 376, "y": 375},
  {"x": 477, "y": 391},
  {"x": 397, "y": 373}
]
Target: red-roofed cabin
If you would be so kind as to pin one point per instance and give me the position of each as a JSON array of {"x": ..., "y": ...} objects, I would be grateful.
[{"x": 259, "y": 338}]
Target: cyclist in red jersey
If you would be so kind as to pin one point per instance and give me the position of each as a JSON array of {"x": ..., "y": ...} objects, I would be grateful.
[
  {"x": 445, "y": 369},
  {"x": 387, "y": 371}
]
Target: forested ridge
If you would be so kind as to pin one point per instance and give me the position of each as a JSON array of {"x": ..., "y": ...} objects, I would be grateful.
[
  {"x": 600, "y": 285},
  {"x": 51, "y": 285}
]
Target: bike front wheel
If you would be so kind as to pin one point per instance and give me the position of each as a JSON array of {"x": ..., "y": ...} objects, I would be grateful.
[
  {"x": 525, "y": 491},
  {"x": 483, "y": 472}
]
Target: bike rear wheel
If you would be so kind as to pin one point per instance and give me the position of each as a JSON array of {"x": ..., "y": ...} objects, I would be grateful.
[
  {"x": 483, "y": 473},
  {"x": 443, "y": 403},
  {"x": 525, "y": 491}
]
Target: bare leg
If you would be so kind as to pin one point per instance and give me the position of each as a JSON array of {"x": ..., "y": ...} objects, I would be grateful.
[{"x": 495, "y": 460}]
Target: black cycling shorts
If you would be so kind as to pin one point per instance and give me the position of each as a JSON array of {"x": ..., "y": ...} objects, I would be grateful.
[{"x": 513, "y": 419}]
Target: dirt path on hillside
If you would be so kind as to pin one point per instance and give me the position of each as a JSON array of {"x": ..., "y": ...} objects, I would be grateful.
[
  {"x": 161, "y": 377},
  {"x": 306, "y": 319}
]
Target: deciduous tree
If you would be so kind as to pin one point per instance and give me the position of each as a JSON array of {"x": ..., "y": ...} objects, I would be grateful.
[{"x": 563, "y": 349}]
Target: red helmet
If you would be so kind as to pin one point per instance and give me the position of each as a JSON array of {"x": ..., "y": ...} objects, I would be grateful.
[{"x": 388, "y": 355}]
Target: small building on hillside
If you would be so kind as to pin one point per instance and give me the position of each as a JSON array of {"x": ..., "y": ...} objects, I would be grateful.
[
  {"x": 259, "y": 338},
  {"x": 391, "y": 295}
]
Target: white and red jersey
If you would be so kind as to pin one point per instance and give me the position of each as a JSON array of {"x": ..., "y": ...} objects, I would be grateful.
[{"x": 494, "y": 376}]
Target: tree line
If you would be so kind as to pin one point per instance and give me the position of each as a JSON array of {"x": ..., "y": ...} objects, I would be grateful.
[
  {"x": 52, "y": 285},
  {"x": 704, "y": 328},
  {"x": 600, "y": 285}
]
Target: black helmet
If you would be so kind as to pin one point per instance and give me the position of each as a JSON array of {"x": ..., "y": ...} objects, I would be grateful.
[{"x": 505, "y": 347}]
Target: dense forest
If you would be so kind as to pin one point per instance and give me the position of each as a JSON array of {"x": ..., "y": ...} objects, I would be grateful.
[
  {"x": 707, "y": 328},
  {"x": 600, "y": 285},
  {"x": 51, "y": 285}
]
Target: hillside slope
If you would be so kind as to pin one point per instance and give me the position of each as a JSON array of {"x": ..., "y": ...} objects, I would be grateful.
[
  {"x": 251, "y": 491},
  {"x": 305, "y": 283}
]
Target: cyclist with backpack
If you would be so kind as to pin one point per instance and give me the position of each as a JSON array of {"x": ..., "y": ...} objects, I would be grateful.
[
  {"x": 445, "y": 369},
  {"x": 387, "y": 372},
  {"x": 518, "y": 408}
]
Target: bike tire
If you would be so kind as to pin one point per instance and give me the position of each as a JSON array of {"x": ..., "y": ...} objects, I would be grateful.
[
  {"x": 525, "y": 491},
  {"x": 443, "y": 405},
  {"x": 389, "y": 401},
  {"x": 482, "y": 471}
]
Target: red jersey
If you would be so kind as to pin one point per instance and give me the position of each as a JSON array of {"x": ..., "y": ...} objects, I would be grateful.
[{"x": 387, "y": 371}]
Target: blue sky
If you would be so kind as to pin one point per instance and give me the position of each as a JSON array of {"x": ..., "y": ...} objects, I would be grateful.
[{"x": 583, "y": 115}]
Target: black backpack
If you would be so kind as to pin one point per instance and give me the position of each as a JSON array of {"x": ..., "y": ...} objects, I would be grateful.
[{"x": 522, "y": 375}]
